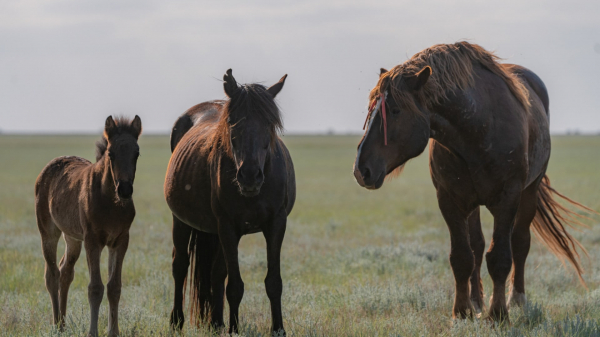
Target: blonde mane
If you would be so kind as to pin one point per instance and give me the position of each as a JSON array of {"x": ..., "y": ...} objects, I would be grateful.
[{"x": 452, "y": 69}]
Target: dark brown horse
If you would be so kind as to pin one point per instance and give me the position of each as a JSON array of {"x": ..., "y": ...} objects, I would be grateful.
[
  {"x": 229, "y": 175},
  {"x": 490, "y": 147},
  {"x": 89, "y": 203}
]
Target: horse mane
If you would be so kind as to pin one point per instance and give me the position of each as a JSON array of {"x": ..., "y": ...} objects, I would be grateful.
[
  {"x": 123, "y": 126},
  {"x": 253, "y": 99},
  {"x": 452, "y": 69}
]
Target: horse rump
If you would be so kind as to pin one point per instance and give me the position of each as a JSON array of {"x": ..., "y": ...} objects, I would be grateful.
[{"x": 551, "y": 220}]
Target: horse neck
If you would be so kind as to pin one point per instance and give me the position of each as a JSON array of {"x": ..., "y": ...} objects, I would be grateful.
[
  {"x": 453, "y": 120},
  {"x": 102, "y": 174}
]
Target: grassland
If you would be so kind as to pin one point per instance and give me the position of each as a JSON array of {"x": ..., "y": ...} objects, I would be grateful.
[{"x": 354, "y": 263}]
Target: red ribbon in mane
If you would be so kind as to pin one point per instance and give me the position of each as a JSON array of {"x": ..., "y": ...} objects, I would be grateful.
[{"x": 383, "y": 113}]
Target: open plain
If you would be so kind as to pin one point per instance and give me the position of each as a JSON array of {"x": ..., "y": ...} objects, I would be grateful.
[{"x": 354, "y": 262}]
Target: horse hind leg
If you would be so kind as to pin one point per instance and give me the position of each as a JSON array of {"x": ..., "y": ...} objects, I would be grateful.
[
  {"x": 520, "y": 243},
  {"x": 67, "y": 272},
  {"x": 180, "y": 265},
  {"x": 477, "y": 242},
  {"x": 50, "y": 235}
]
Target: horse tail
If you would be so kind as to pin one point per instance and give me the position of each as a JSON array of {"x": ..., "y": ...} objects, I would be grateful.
[
  {"x": 550, "y": 222},
  {"x": 202, "y": 251}
]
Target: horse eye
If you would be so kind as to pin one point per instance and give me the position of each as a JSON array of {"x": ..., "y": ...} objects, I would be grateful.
[{"x": 395, "y": 111}]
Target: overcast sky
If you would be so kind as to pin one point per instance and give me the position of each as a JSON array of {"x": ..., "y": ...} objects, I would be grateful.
[{"x": 66, "y": 65}]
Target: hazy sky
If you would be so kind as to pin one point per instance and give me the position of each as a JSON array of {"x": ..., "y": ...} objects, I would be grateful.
[{"x": 66, "y": 65}]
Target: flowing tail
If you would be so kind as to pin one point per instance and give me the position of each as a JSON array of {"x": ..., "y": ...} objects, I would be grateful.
[
  {"x": 202, "y": 251},
  {"x": 549, "y": 225}
]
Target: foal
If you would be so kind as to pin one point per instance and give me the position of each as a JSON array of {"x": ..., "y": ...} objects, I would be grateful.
[{"x": 89, "y": 203}]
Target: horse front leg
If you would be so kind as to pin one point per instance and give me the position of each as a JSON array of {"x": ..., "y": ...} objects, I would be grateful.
[
  {"x": 235, "y": 286},
  {"x": 274, "y": 234},
  {"x": 477, "y": 242},
  {"x": 93, "y": 249},
  {"x": 499, "y": 256},
  {"x": 116, "y": 254},
  {"x": 461, "y": 255}
]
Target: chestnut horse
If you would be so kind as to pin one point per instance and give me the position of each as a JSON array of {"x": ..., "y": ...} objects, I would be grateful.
[
  {"x": 490, "y": 147},
  {"x": 229, "y": 175},
  {"x": 89, "y": 203}
]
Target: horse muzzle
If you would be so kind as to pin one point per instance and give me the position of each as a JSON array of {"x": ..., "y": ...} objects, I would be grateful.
[
  {"x": 365, "y": 178},
  {"x": 250, "y": 181},
  {"x": 125, "y": 190}
]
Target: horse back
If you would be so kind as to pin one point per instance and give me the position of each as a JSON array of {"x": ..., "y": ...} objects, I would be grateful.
[
  {"x": 200, "y": 113},
  {"x": 57, "y": 192}
]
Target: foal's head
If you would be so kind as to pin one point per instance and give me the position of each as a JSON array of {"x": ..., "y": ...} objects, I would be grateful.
[
  {"x": 119, "y": 146},
  {"x": 394, "y": 105},
  {"x": 252, "y": 123}
]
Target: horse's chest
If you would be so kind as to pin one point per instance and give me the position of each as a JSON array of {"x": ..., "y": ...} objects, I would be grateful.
[{"x": 251, "y": 217}]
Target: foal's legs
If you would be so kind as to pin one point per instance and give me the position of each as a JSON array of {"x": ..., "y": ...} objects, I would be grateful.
[
  {"x": 93, "y": 249},
  {"x": 50, "y": 236},
  {"x": 67, "y": 266},
  {"x": 477, "y": 242},
  {"x": 116, "y": 254},
  {"x": 521, "y": 240},
  {"x": 235, "y": 286},
  {"x": 499, "y": 257},
  {"x": 181, "y": 262},
  {"x": 461, "y": 255},
  {"x": 274, "y": 236}
]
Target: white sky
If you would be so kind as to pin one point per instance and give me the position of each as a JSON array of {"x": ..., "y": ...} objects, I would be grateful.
[{"x": 66, "y": 65}]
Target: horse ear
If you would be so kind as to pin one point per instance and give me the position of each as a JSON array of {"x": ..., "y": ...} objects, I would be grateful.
[
  {"x": 276, "y": 88},
  {"x": 382, "y": 71},
  {"x": 418, "y": 81},
  {"x": 229, "y": 84},
  {"x": 109, "y": 127},
  {"x": 136, "y": 125}
]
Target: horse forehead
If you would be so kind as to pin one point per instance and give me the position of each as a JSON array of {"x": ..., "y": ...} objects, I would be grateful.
[{"x": 124, "y": 142}]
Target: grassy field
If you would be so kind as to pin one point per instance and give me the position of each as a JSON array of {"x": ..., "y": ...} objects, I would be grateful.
[{"x": 354, "y": 263}]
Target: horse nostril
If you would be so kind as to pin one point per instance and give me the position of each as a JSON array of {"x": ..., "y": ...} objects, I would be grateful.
[
  {"x": 125, "y": 189},
  {"x": 366, "y": 173}
]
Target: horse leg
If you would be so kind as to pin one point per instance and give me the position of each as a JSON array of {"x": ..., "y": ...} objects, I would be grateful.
[
  {"x": 116, "y": 254},
  {"x": 50, "y": 236},
  {"x": 218, "y": 276},
  {"x": 93, "y": 250},
  {"x": 499, "y": 256},
  {"x": 461, "y": 255},
  {"x": 181, "y": 262},
  {"x": 273, "y": 284},
  {"x": 521, "y": 240},
  {"x": 477, "y": 242},
  {"x": 67, "y": 267},
  {"x": 205, "y": 256},
  {"x": 235, "y": 286}
]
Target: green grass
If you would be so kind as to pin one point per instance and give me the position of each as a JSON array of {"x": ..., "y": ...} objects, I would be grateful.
[{"x": 354, "y": 262}]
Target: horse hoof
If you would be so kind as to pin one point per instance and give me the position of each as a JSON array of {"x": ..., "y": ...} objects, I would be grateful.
[
  {"x": 177, "y": 319},
  {"x": 279, "y": 333},
  {"x": 516, "y": 299},
  {"x": 477, "y": 306}
]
